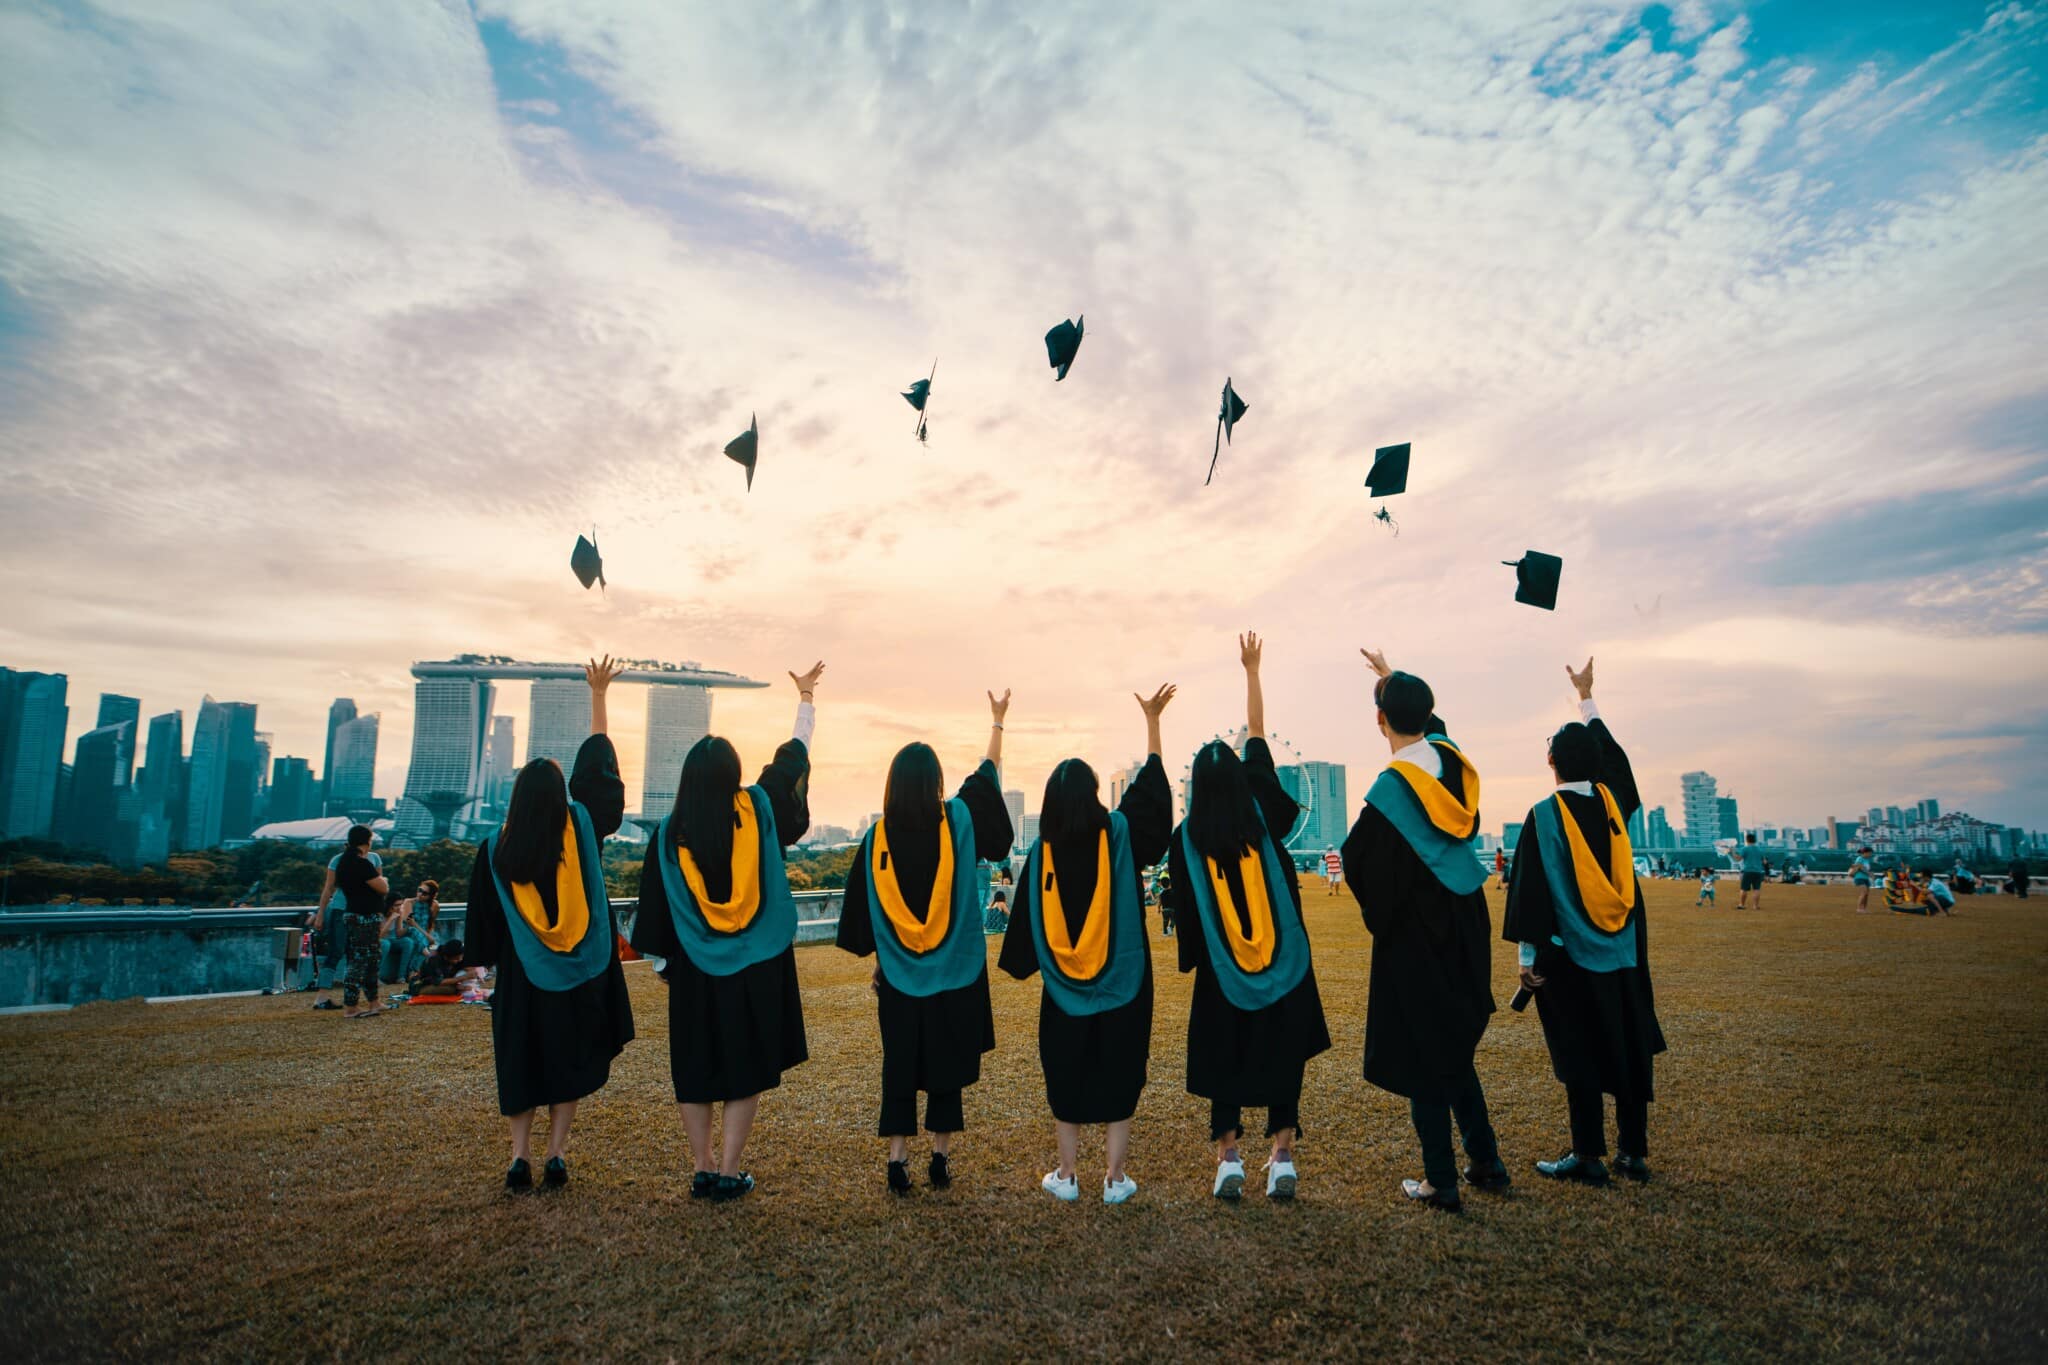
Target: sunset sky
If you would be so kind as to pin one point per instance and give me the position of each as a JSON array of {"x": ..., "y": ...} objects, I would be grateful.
[{"x": 325, "y": 328}]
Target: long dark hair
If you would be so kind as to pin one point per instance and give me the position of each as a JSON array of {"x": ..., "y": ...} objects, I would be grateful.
[
  {"x": 530, "y": 843},
  {"x": 1223, "y": 820},
  {"x": 704, "y": 793},
  {"x": 1073, "y": 804},
  {"x": 916, "y": 786}
]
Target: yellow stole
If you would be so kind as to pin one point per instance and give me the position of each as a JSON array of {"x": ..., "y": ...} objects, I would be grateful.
[
  {"x": 1608, "y": 893},
  {"x": 574, "y": 920},
  {"x": 918, "y": 938},
  {"x": 1253, "y": 954},
  {"x": 1458, "y": 819},
  {"x": 744, "y": 900},
  {"x": 1085, "y": 959}
]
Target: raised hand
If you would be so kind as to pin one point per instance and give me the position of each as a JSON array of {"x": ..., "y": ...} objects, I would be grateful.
[
  {"x": 998, "y": 707},
  {"x": 1248, "y": 650},
  {"x": 808, "y": 683},
  {"x": 1378, "y": 662},
  {"x": 600, "y": 672},
  {"x": 1158, "y": 702},
  {"x": 1582, "y": 679}
]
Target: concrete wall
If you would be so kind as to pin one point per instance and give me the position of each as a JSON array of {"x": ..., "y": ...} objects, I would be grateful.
[{"x": 55, "y": 956}]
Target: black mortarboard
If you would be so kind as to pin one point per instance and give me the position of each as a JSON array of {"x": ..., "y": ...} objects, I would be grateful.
[
  {"x": 1061, "y": 345},
  {"x": 1536, "y": 576},
  {"x": 918, "y": 394},
  {"x": 1389, "y": 471},
  {"x": 745, "y": 448},
  {"x": 585, "y": 560},
  {"x": 1226, "y": 418}
]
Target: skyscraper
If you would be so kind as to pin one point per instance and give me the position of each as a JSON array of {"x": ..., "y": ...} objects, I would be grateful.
[
  {"x": 1015, "y": 801},
  {"x": 1638, "y": 829},
  {"x": 1658, "y": 828},
  {"x": 264, "y": 742},
  {"x": 499, "y": 763},
  {"x": 558, "y": 721},
  {"x": 113, "y": 710},
  {"x": 89, "y": 817},
  {"x": 677, "y": 717},
  {"x": 353, "y": 776},
  {"x": 1696, "y": 796},
  {"x": 1510, "y": 835},
  {"x": 33, "y": 718},
  {"x": 451, "y": 720},
  {"x": 1927, "y": 808},
  {"x": 1320, "y": 787},
  {"x": 1730, "y": 820},
  {"x": 160, "y": 790},
  {"x": 220, "y": 793},
  {"x": 293, "y": 793},
  {"x": 340, "y": 712}
]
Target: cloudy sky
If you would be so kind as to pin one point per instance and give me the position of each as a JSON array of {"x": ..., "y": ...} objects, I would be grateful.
[{"x": 324, "y": 328}]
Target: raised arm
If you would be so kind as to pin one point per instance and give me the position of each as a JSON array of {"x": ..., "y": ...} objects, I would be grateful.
[
  {"x": 1152, "y": 709},
  {"x": 806, "y": 702},
  {"x": 599, "y": 674},
  {"x": 997, "y": 709},
  {"x": 1614, "y": 771},
  {"x": 1248, "y": 651}
]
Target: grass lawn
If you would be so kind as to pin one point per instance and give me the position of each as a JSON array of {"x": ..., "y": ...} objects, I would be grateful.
[{"x": 1850, "y": 1151}]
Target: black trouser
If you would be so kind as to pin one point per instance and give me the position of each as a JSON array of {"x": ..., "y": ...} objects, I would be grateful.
[
  {"x": 942, "y": 1114},
  {"x": 1589, "y": 1129},
  {"x": 1226, "y": 1121},
  {"x": 1433, "y": 1125},
  {"x": 362, "y": 958}
]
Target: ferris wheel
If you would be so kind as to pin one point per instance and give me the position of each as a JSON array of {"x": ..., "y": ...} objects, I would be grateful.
[{"x": 1285, "y": 756}]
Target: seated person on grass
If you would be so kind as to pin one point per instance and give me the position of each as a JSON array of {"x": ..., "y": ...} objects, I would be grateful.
[{"x": 442, "y": 974}]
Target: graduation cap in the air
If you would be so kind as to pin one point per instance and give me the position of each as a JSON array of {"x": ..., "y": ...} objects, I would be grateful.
[
  {"x": 1536, "y": 576},
  {"x": 1226, "y": 418},
  {"x": 1388, "y": 476},
  {"x": 585, "y": 560},
  {"x": 1061, "y": 345},
  {"x": 920, "y": 393},
  {"x": 745, "y": 448}
]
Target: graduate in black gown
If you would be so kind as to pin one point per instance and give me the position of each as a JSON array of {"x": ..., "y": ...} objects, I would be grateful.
[
  {"x": 1256, "y": 1016},
  {"x": 913, "y": 900},
  {"x": 1420, "y": 888},
  {"x": 1576, "y": 910},
  {"x": 715, "y": 907},
  {"x": 539, "y": 914},
  {"x": 1079, "y": 923}
]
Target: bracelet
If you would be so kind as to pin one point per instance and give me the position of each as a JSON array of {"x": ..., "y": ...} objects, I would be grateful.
[
  {"x": 803, "y": 696},
  {"x": 995, "y": 725}
]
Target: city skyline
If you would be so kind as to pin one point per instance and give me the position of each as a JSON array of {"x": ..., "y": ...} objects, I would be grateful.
[{"x": 1722, "y": 305}]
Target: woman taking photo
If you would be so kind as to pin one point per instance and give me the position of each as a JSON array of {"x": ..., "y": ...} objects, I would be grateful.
[
  {"x": 1256, "y": 1017},
  {"x": 715, "y": 906},
  {"x": 1079, "y": 923},
  {"x": 913, "y": 901},
  {"x": 539, "y": 913}
]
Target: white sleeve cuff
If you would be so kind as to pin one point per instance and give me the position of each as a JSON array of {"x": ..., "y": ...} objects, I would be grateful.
[
  {"x": 806, "y": 721},
  {"x": 1528, "y": 954},
  {"x": 1587, "y": 710}
]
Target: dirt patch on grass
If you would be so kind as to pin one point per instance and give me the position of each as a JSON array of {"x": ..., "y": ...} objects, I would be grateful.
[{"x": 1851, "y": 1157}]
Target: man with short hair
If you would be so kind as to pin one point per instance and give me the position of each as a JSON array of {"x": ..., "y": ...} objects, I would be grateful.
[
  {"x": 1753, "y": 867},
  {"x": 1576, "y": 910},
  {"x": 1422, "y": 894}
]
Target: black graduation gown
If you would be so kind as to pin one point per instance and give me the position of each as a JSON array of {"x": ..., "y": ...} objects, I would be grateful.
[
  {"x": 730, "y": 1036},
  {"x": 1601, "y": 1026},
  {"x": 1095, "y": 1064},
  {"x": 931, "y": 1042},
  {"x": 1249, "y": 1058},
  {"x": 1431, "y": 992},
  {"x": 552, "y": 1047}
]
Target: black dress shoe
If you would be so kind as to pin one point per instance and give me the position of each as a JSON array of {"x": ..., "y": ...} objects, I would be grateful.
[
  {"x": 519, "y": 1176},
  {"x": 731, "y": 1187},
  {"x": 941, "y": 1173},
  {"x": 899, "y": 1177},
  {"x": 1445, "y": 1199},
  {"x": 1492, "y": 1177},
  {"x": 1634, "y": 1167},
  {"x": 701, "y": 1184},
  {"x": 1571, "y": 1166},
  {"x": 555, "y": 1174}
]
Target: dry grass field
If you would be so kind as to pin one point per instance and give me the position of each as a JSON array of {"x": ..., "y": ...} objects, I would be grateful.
[{"x": 1850, "y": 1151}]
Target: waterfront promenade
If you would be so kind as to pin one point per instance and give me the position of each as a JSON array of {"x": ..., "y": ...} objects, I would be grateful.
[{"x": 1850, "y": 1151}]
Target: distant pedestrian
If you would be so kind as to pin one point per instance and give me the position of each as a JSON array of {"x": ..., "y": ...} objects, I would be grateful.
[
  {"x": 1706, "y": 895},
  {"x": 2017, "y": 876},
  {"x": 1753, "y": 870},
  {"x": 1333, "y": 870},
  {"x": 362, "y": 886},
  {"x": 1859, "y": 876}
]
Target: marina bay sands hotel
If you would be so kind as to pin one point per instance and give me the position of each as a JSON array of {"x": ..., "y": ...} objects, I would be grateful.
[{"x": 458, "y": 754}]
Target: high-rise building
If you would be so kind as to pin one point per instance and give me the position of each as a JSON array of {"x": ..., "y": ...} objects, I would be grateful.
[
  {"x": 160, "y": 790},
  {"x": 1927, "y": 808},
  {"x": 1015, "y": 801},
  {"x": 220, "y": 794},
  {"x": 340, "y": 712},
  {"x": 264, "y": 744},
  {"x": 1730, "y": 820},
  {"x": 1638, "y": 829},
  {"x": 1702, "y": 808},
  {"x": 33, "y": 718},
  {"x": 294, "y": 795},
  {"x": 677, "y": 717},
  {"x": 1320, "y": 789},
  {"x": 113, "y": 710},
  {"x": 1658, "y": 828},
  {"x": 558, "y": 721},
  {"x": 1510, "y": 835},
  {"x": 1895, "y": 817},
  {"x": 88, "y": 819},
  {"x": 500, "y": 765},
  {"x": 451, "y": 720},
  {"x": 1027, "y": 832},
  {"x": 352, "y": 774}
]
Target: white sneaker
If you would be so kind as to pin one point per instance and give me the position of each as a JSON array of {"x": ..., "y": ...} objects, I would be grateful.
[
  {"x": 1229, "y": 1179},
  {"x": 1116, "y": 1192},
  {"x": 1066, "y": 1191},
  {"x": 1280, "y": 1179}
]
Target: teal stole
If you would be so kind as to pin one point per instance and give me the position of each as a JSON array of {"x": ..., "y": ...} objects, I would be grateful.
[
  {"x": 772, "y": 929},
  {"x": 1244, "y": 987},
  {"x": 547, "y": 969},
  {"x": 1127, "y": 954},
  {"x": 961, "y": 956},
  {"x": 1450, "y": 859},
  {"x": 1585, "y": 943}
]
